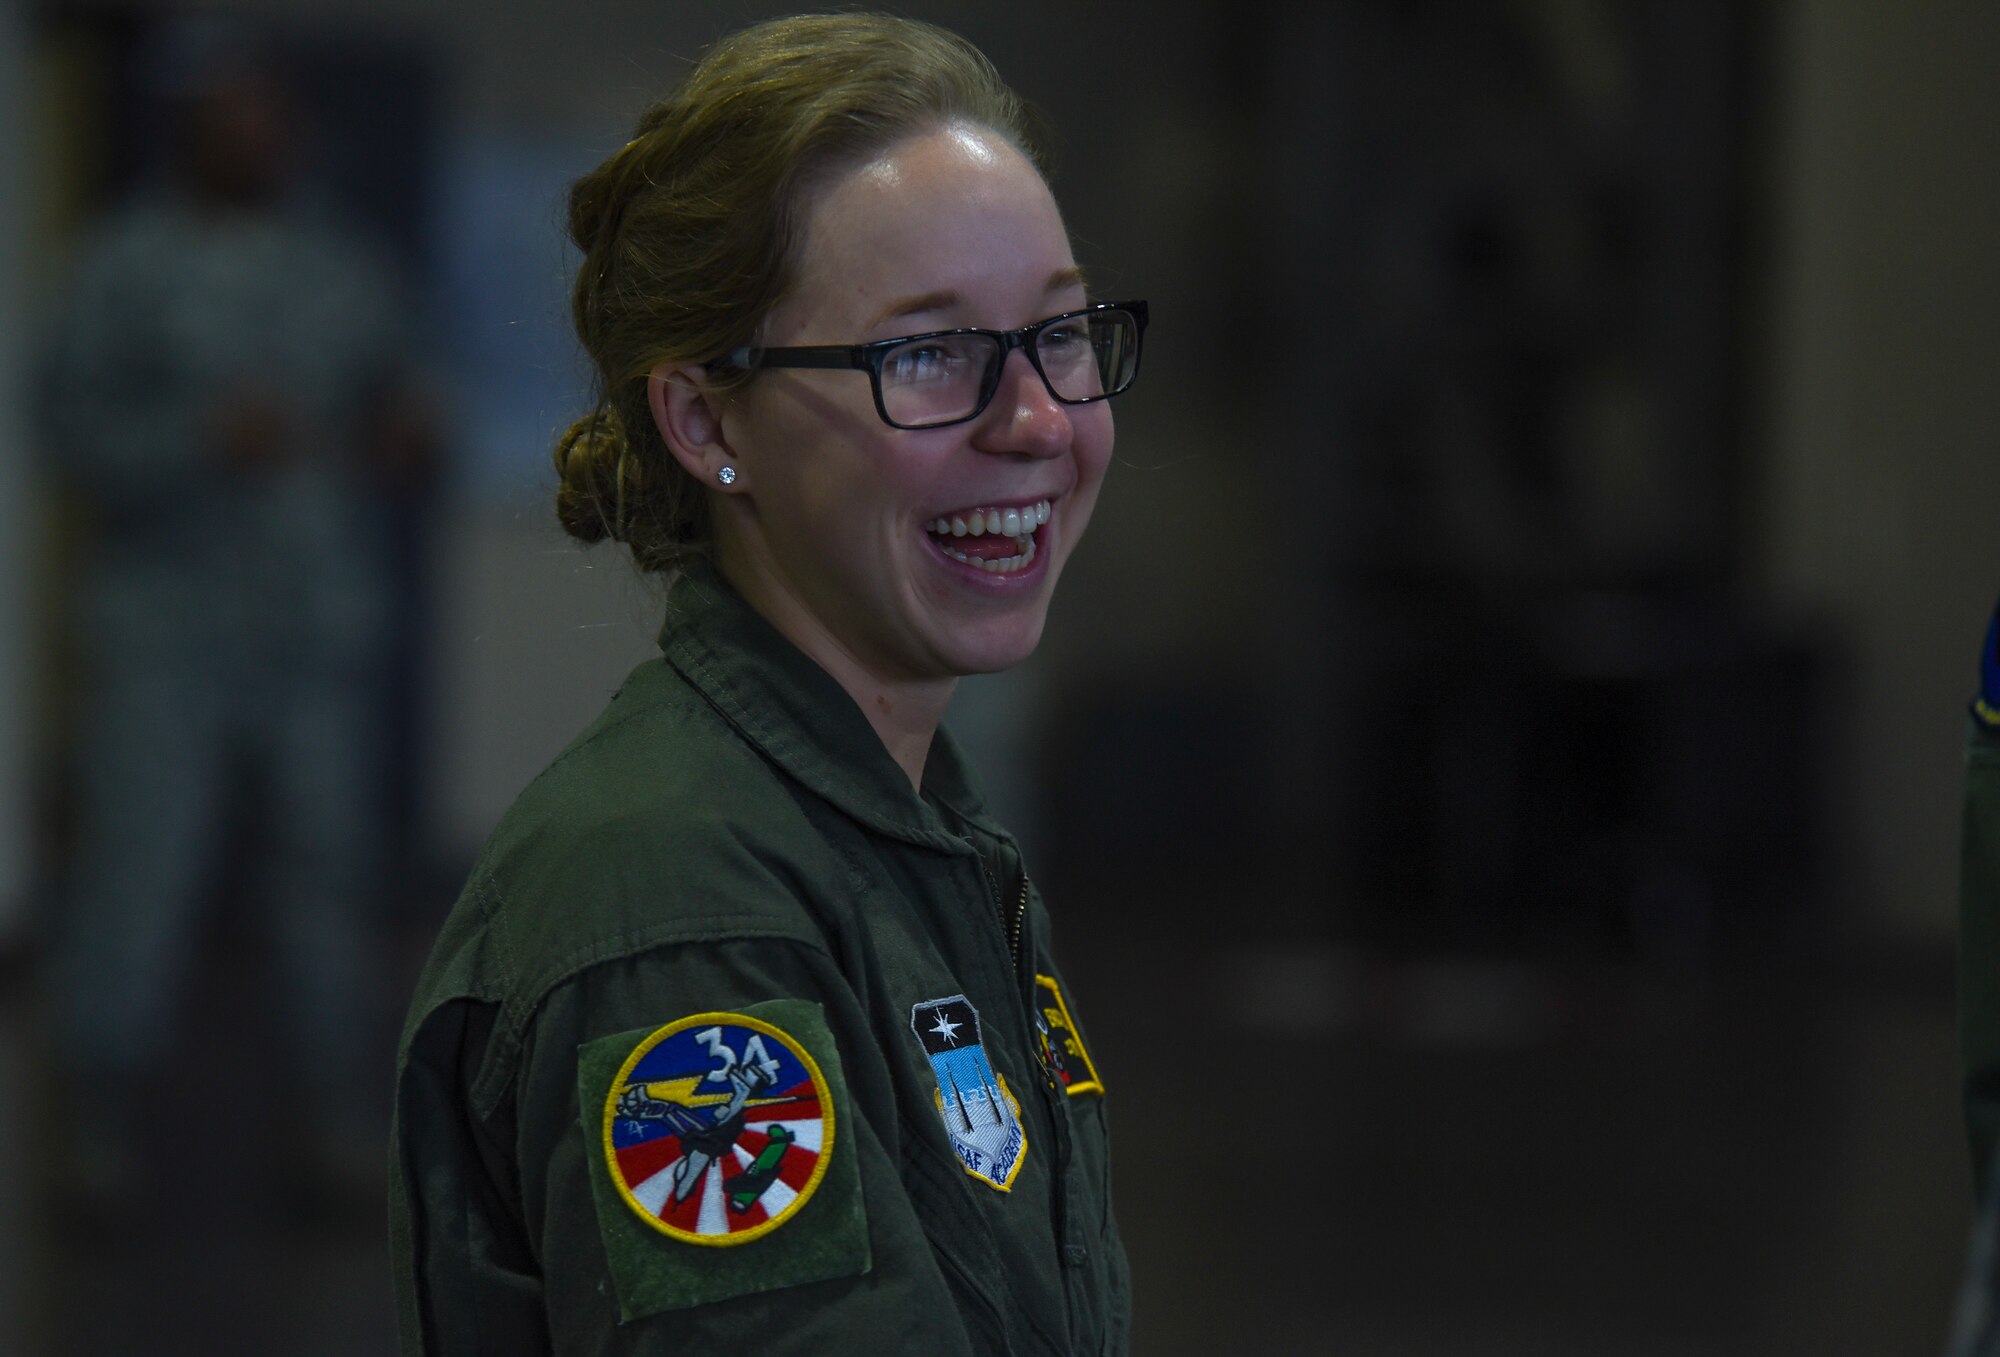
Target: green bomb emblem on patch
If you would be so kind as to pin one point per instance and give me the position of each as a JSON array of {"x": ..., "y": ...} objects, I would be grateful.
[{"x": 718, "y": 1128}]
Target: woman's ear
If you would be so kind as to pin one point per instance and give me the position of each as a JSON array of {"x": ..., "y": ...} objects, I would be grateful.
[{"x": 685, "y": 412}]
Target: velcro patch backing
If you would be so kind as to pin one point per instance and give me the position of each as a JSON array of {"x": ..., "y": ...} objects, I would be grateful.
[{"x": 731, "y": 1176}]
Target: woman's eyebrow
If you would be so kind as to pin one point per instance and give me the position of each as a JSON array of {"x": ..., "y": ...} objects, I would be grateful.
[{"x": 910, "y": 306}]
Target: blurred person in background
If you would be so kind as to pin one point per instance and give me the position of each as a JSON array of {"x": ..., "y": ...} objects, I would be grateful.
[
  {"x": 746, "y": 1034},
  {"x": 227, "y": 392},
  {"x": 1976, "y": 1332}
]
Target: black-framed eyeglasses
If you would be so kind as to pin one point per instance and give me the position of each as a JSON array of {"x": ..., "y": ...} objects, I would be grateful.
[{"x": 948, "y": 376}]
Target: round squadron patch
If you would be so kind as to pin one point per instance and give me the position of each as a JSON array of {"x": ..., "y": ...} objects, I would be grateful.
[{"x": 718, "y": 1128}]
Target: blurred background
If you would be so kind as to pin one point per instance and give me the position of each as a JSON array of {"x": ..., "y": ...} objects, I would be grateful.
[{"x": 1508, "y": 710}]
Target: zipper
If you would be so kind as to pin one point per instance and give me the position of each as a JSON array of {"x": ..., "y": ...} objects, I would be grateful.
[
  {"x": 1054, "y": 1101},
  {"x": 1010, "y": 923},
  {"x": 1014, "y": 928}
]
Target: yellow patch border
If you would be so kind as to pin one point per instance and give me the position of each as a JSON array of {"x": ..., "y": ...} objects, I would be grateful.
[
  {"x": 820, "y": 1087},
  {"x": 1020, "y": 1124},
  {"x": 1094, "y": 1084}
]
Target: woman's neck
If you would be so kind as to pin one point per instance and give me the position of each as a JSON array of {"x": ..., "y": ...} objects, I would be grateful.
[
  {"x": 905, "y": 718},
  {"x": 905, "y": 712}
]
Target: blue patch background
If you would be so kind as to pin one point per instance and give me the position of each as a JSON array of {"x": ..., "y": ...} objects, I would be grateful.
[
  {"x": 681, "y": 1056},
  {"x": 968, "y": 1068}
]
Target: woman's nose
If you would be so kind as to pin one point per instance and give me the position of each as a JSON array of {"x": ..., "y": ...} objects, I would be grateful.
[{"x": 1025, "y": 416}]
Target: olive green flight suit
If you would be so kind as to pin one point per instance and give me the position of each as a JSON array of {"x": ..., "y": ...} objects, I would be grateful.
[{"x": 730, "y": 837}]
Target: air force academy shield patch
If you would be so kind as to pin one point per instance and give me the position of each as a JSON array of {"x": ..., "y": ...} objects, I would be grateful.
[{"x": 979, "y": 1111}]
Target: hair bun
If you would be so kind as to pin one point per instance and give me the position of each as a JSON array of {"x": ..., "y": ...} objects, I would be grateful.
[{"x": 598, "y": 478}]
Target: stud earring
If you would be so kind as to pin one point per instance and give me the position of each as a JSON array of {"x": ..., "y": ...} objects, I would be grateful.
[{"x": 727, "y": 475}]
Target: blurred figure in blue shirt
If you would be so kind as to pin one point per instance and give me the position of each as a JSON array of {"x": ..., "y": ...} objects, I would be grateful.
[{"x": 226, "y": 393}]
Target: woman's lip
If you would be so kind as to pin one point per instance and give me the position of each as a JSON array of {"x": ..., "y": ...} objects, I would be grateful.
[
  {"x": 1003, "y": 505},
  {"x": 995, "y": 579},
  {"x": 983, "y": 519}
]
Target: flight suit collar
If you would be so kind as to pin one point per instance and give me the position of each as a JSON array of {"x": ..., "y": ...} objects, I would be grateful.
[{"x": 792, "y": 710}]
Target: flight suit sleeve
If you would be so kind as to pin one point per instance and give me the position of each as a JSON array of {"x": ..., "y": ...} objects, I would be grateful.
[
  {"x": 466, "y": 1279},
  {"x": 550, "y": 1248},
  {"x": 1979, "y": 918}
]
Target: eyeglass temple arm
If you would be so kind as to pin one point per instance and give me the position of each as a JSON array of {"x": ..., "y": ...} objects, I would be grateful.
[{"x": 817, "y": 356}]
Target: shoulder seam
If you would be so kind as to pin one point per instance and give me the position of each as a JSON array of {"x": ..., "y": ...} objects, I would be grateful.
[
  {"x": 519, "y": 1004},
  {"x": 486, "y": 891},
  {"x": 651, "y": 710}
]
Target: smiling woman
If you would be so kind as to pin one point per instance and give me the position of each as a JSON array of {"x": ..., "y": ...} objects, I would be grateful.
[{"x": 747, "y": 1034}]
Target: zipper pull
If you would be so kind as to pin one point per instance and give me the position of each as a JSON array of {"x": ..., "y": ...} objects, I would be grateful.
[{"x": 1019, "y": 922}]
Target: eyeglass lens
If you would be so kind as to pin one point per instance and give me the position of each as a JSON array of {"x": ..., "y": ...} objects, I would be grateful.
[{"x": 949, "y": 377}]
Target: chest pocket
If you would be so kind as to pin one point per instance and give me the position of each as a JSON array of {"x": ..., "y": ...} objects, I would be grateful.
[
  {"x": 983, "y": 1237},
  {"x": 1090, "y": 1164},
  {"x": 1072, "y": 1068},
  {"x": 962, "y": 1242}
]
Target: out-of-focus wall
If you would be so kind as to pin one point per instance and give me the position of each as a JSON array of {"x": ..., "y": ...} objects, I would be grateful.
[
  {"x": 14, "y": 643},
  {"x": 14, "y": 661},
  {"x": 1881, "y": 497}
]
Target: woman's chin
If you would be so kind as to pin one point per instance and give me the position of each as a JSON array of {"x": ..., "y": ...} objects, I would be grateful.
[{"x": 996, "y": 645}]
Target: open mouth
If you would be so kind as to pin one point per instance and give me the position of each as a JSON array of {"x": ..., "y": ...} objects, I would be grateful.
[{"x": 998, "y": 541}]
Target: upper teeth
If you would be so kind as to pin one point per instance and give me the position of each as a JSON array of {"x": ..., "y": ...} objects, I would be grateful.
[{"x": 979, "y": 522}]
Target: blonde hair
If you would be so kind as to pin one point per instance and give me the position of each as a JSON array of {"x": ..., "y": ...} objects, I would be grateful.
[{"x": 690, "y": 234}]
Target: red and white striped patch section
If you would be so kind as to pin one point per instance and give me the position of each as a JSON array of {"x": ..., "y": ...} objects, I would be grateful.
[{"x": 648, "y": 1168}]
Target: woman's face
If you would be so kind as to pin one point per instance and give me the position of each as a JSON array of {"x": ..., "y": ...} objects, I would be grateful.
[{"x": 832, "y": 531}]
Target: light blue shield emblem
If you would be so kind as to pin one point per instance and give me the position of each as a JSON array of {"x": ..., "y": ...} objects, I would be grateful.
[{"x": 979, "y": 1111}]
